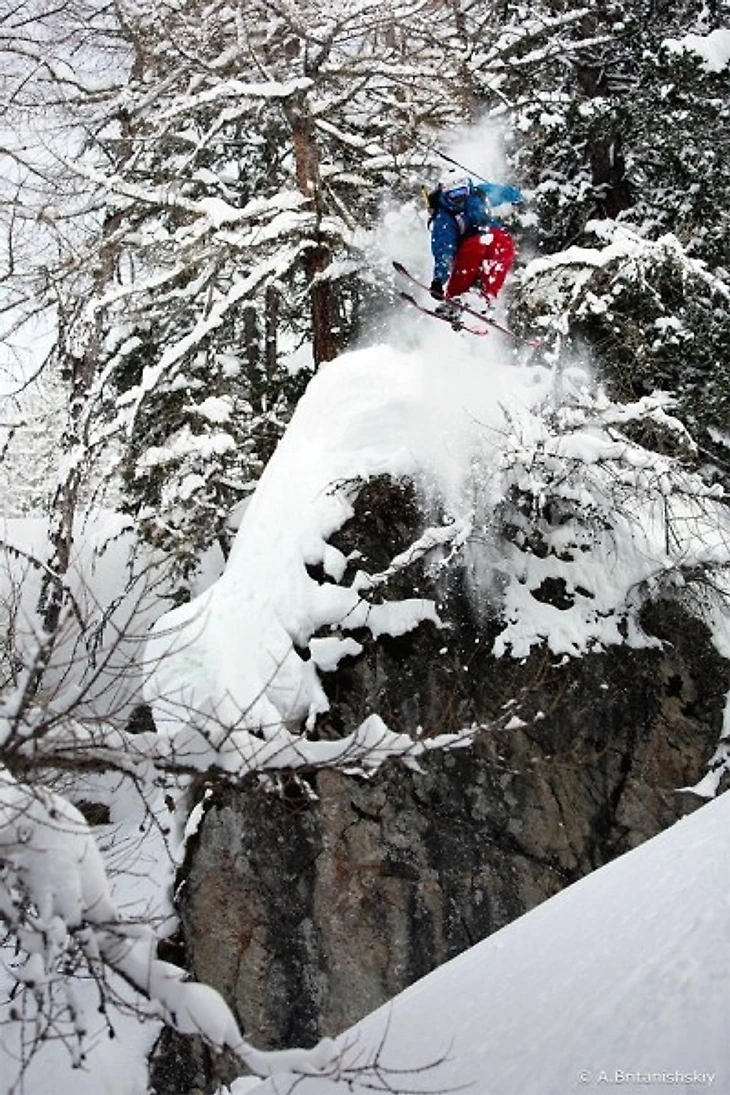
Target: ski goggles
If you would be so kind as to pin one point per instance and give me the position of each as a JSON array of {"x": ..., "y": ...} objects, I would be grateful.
[{"x": 458, "y": 195}]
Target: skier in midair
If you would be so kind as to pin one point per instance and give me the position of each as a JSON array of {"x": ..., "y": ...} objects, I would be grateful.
[{"x": 471, "y": 247}]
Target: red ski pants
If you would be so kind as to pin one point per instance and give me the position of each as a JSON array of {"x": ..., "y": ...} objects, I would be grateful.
[{"x": 483, "y": 261}]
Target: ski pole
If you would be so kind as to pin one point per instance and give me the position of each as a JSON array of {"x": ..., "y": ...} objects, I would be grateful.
[{"x": 451, "y": 160}]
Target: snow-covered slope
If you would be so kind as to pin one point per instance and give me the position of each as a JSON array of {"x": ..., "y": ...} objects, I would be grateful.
[{"x": 620, "y": 982}]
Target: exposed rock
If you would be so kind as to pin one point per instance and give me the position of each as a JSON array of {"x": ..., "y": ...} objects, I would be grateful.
[{"x": 307, "y": 913}]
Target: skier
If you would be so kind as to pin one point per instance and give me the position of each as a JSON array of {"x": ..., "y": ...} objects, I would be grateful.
[{"x": 469, "y": 243}]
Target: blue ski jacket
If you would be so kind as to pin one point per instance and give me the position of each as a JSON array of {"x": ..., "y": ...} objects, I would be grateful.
[{"x": 449, "y": 226}]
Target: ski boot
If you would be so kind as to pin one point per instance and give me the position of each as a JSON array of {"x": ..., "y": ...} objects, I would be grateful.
[{"x": 451, "y": 311}]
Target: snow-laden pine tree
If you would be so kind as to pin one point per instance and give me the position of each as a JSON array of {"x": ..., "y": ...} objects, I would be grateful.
[{"x": 621, "y": 150}]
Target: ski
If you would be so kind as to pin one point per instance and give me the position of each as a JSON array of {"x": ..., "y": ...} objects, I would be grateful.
[
  {"x": 453, "y": 321},
  {"x": 532, "y": 342}
]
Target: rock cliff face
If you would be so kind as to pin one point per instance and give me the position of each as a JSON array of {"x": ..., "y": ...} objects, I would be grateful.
[{"x": 309, "y": 907}]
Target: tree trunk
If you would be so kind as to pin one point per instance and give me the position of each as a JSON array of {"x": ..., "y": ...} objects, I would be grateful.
[
  {"x": 271, "y": 320},
  {"x": 324, "y": 298},
  {"x": 78, "y": 363}
]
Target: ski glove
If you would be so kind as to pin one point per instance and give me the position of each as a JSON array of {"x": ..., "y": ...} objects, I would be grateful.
[{"x": 513, "y": 195}]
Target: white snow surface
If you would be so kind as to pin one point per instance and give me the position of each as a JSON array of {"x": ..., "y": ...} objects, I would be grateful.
[
  {"x": 620, "y": 982},
  {"x": 712, "y": 48}
]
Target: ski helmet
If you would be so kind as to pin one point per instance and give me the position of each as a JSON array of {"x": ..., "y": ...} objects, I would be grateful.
[{"x": 455, "y": 189}]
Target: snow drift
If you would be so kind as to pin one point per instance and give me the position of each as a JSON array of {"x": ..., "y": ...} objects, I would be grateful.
[{"x": 622, "y": 981}]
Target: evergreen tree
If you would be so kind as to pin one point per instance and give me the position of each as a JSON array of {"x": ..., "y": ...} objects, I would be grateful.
[
  {"x": 247, "y": 154},
  {"x": 624, "y": 159}
]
